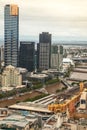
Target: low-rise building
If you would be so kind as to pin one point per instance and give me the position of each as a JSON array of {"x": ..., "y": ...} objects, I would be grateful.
[
  {"x": 15, "y": 122},
  {"x": 31, "y": 107}
]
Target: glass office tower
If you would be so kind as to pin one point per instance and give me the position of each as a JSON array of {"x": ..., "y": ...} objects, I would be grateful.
[
  {"x": 11, "y": 34},
  {"x": 27, "y": 55},
  {"x": 44, "y": 50}
]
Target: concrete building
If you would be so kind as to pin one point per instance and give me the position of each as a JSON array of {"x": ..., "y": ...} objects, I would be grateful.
[
  {"x": 31, "y": 107},
  {"x": 44, "y": 48},
  {"x": 27, "y": 55},
  {"x": 56, "y": 57},
  {"x": 14, "y": 122},
  {"x": 11, "y": 77},
  {"x": 23, "y": 72},
  {"x": 38, "y": 76},
  {"x": 83, "y": 100},
  {"x": 11, "y": 35}
]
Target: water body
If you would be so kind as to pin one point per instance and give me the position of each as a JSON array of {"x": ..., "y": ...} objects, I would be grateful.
[{"x": 55, "y": 39}]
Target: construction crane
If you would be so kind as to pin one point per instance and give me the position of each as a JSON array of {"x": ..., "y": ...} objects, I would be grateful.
[{"x": 67, "y": 104}]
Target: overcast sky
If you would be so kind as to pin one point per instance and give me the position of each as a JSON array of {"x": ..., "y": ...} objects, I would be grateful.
[{"x": 62, "y": 18}]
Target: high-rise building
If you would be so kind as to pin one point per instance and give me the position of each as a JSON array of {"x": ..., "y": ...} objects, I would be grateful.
[
  {"x": 1, "y": 57},
  {"x": 11, "y": 77},
  {"x": 38, "y": 49},
  {"x": 45, "y": 37},
  {"x": 56, "y": 57},
  {"x": 44, "y": 50},
  {"x": 11, "y": 34},
  {"x": 27, "y": 55},
  {"x": 44, "y": 57},
  {"x": 1, "y": 53}
]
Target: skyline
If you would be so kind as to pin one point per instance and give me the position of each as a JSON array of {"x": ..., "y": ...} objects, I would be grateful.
[{"x": 64, "y": 19}]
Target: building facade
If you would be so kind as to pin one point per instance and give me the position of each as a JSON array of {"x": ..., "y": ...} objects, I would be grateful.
[
  {"x": 1, "y": 53},
  {"x": 1, "y": 57},
  {"x": 27, "y": 55},
  {"x": 11, "y": 77},
  {"x": 45, "y": 37},
  {"x": 11, "y": 34},
  {"x": 83, "y": 100},
  {"x": 44, "y": 50},
  {"x": 44, "y": 56},
  {"x": 56, "y": 57}
]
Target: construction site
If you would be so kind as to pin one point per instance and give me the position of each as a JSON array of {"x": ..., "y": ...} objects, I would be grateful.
[
  {"x": 64, "y": 111},
  {"x": 71, "y": 110}
]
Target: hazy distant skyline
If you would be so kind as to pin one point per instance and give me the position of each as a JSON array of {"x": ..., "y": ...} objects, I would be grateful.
[{"x": 63, "y": 18}]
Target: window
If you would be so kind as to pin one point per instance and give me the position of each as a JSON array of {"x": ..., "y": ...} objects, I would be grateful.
[{"x": 83, "y": 101}]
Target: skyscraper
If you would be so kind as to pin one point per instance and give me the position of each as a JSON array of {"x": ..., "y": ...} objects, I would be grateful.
[
  {"x": 45, "y": 37},
  {"x": 27, "y": 55},
  {"x": 11, "y": 34},
  {"x": 56, "y": 57},
  {"x": 44, "y": 50}
]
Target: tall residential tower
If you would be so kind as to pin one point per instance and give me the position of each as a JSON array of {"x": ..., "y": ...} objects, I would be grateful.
[{"x": 11, "y": 34}]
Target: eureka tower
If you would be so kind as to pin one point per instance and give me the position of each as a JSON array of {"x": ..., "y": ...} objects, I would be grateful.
[{"x": 11, "y": 34}]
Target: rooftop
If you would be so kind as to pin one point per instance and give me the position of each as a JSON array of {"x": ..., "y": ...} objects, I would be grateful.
[
  {"x": 29, "y": 106},
  {"x": 14, "y": 120},
  {"x": 39, "y": 76}
]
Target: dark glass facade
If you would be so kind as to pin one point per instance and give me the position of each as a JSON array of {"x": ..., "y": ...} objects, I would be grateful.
[
  {"x": 11, "y": 34},
  {"x": 44, "y": 47},
  {"x": 27, "y": 55},
  {"x": 45, "y": 37},
  {"x": 38, "y": 51}
]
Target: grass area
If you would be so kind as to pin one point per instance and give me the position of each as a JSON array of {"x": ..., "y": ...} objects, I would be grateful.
[
  {"x": 52, "y": 81},
  {"x": 38, "y": 85},
  {"x": 36, "y": 98},
  {"x": 13, "y": 92}
]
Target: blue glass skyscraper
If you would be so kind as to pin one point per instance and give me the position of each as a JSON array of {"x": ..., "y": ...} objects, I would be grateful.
[{"x": 11, "y": 34}]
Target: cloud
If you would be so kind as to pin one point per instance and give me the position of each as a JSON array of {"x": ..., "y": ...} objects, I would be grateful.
[{"x": 60, "y": 17}]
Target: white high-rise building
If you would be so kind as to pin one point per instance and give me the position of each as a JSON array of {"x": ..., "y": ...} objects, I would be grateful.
[{"x": 11, "y": 77}]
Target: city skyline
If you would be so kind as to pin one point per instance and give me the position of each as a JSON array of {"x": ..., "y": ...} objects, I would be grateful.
[{"x": 64, "y": 19}]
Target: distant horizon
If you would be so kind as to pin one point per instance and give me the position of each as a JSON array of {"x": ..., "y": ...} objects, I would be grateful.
[
  {"x": 64, "y": 19},
  {"x": 55, "y": 39}
]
